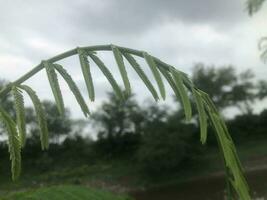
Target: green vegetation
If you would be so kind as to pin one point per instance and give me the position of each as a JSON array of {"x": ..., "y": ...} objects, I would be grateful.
[
  {"x": 136, "y": 147},
  {"x": 157, "y": 140},
  {"x": 67, "y": 192},
  {"x": 134, "y": 141}
]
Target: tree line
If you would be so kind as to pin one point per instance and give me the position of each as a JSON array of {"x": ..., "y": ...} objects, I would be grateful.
[{"x": 156, "y": 138}]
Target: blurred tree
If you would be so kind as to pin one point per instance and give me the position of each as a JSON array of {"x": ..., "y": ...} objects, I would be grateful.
[
  {"x": 262, "y": 86},
  {"x": 254, "y": 6},
  {"x": 252, "y": 126},
  {"x": 227, "y": 88},
  {"x": 116, "y": 117},
  {"x": 119, "y": 126},
  {"x": 167, "y": 142},
  {"x": 58, "y": 126}
]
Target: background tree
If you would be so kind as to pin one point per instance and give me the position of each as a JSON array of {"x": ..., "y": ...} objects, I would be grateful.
[
  {"x": 229, "y": 88},
  {"x": 254, "y": 6},
  {"x": 165, "y": 143},
  {"x": 59, "y": 126},
  {"x": 119, "y": 125}
]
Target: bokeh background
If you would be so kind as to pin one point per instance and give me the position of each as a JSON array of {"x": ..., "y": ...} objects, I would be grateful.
[{"x": 138, "y": 148}]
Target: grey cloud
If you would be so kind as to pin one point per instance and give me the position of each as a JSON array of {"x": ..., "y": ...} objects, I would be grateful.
[
  {"x": 73, "y": 22},
  {"x": 179, "y": 32},
  {"x": 133, "y": 16},
  {"x": 64, "y": 19}
]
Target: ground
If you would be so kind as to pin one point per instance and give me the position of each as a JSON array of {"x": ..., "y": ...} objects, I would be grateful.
[{"x": 122, "y": 177}]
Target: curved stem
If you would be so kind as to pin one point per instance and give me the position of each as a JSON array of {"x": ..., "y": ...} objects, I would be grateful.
[
  {"x": 69, "y": 53},
  {"x": 188, "y": 83}
]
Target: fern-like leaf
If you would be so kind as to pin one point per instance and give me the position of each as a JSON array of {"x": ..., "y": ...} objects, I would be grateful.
[
  {"x": 207, "y": 111},
  {"x": 142, "y": 75},
  {"x": 202, "y": 116},
  {"x": 13, "y": 143},
  {"x": 119, "y": 60},
  {"x": 170, "y": 80},
  {"x": 153, "y": 66},
  {"x": 232, "y": 163},
  {"x": 74, "y": 88},
  {"x": 176, "y": 90},
  {"x": 184, "y": 97},
  {"x": 263, "y": 48},
  {"x": 41, "y": 116},
  {"x": 107, "y": 74},
  {"x": 237, "y": 179},
  {"x": 20, "y": 114},
  {"x": 86, "y": 73},
  {"x": 53, "y": 80}
]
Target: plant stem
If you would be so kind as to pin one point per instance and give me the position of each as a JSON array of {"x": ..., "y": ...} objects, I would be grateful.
[{"x": 69, "y": 53}]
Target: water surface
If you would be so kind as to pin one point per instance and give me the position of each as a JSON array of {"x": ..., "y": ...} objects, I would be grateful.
[{"x": 210, "y": 188}]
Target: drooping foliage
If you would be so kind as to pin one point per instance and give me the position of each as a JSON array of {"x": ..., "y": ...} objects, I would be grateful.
[
  {"x": 263, "y": 48},
  {"x": 227, "y": 88},
  {"x": 254, "y": 6},
  {"x": 178, "y": 81}
]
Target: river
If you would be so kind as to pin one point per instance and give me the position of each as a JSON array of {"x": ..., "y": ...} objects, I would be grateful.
[{"x": 210, "y": 188}]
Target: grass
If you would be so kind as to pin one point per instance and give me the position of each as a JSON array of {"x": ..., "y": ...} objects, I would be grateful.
[
  {"x": 123, "y": 176},
  {"x": 65, "y": 192},
  {"x": 109, "y": 176}
]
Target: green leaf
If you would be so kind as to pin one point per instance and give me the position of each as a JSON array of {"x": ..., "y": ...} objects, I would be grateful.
[
  {"x": 119, "y": 60},
  {"x": 74, "y": 88},
  {"x": 239, "y": 183},
  {"x": 184, "y": 97},
  {"x": 170, "y": 80},
  {"x": 264, "y": 55},
  {"x": 87, "y": 73},
  {"x": 53, "y": 80},
  {"x": 13, "y": 143},
  {"x": 205, "y": 106},
  {"x": 41, "y": 116},
  {"x": 108, "y": 75},
  {"x": 153, "y": 66},
  {"x": 20, "y": 114},
  {"x": 202, "y": 116},
  {"x": 177, "y": 91},
  {"x": 236, "y": 177},
  {"x": 142, "y": 75},
  {"x": 208, "y": 102}
]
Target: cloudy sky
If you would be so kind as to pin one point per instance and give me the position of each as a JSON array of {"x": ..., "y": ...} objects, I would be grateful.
[{"x": 180, "y": 32}]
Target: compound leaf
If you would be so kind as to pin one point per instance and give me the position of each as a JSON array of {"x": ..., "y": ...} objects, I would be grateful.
[
  {"x": 74, "y": 88},
  {"x": 41, "y": 116},
  {"x": 202, "y": 116},
  {"x": 142, "y": 75},
  {"x": 153, "y": 66},
  {"x": 108, "y": 75},
  {"x": 20, "y": 114},
  {"x": 119, "y": 60},
  {"x": 182, "y": 92},
  {"x": 53, "y": 80},
  {"x": 87, "y": 73},
  {"x": 13, "y": 143}
]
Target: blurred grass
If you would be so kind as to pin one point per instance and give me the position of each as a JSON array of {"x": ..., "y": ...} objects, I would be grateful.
[
  {"x": 65, "y": 192},
  {"x": 123, "y": 176}
]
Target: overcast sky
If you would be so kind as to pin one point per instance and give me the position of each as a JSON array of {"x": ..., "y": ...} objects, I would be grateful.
[{"x": 180, "y": 32}]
